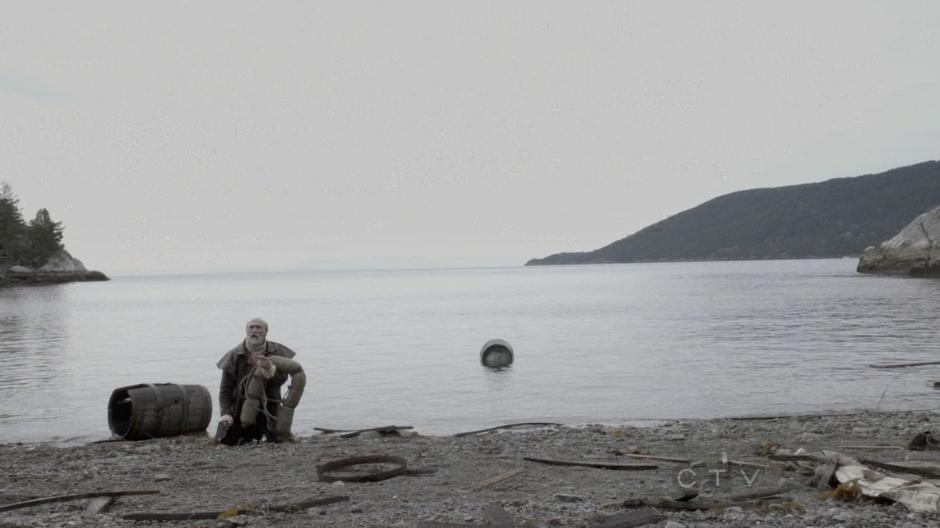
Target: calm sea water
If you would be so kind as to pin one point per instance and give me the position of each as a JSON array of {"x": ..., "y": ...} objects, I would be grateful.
[{"x": 594, "y": 344}]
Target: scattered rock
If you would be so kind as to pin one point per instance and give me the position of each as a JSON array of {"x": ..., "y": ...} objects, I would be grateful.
[
  {"x": 563, "y": 497},
  {"x": 539, "y": 495},
  {"x": 238, "y": 520},
  {"x": 863, "y": 431},
  {"x": 63, "y": 262}
]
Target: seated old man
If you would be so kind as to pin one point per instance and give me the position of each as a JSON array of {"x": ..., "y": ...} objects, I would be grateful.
[{"x": 250, "y": 392}]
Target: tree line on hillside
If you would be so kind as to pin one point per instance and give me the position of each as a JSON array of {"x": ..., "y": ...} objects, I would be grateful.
[{"x": 30, "y": 243}]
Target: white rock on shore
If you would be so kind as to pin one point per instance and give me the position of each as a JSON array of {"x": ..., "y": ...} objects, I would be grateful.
[
  {"x": 63, "y": 262},
  {"x": 913, "y": 251},
  {"x": 62, "y": 267}
]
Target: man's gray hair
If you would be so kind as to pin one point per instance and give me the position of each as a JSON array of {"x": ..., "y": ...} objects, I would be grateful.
[{"x": 257, "y": 320}]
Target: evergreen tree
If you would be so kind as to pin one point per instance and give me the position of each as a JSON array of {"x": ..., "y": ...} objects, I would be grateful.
[
  {"x": 44, "y": 238},
  {"x": 12, "y": 227}
]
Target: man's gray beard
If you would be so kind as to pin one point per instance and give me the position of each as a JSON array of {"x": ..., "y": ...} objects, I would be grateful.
[{"x": 252, "y": 346}]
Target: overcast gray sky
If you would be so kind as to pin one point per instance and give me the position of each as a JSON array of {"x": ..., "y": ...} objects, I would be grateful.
[{"x": 193, "y": 136}]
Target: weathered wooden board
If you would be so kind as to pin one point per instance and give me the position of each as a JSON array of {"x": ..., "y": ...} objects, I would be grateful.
[
  {"x": 599, "y": 465},
  {"x": 492, "y": 481}
]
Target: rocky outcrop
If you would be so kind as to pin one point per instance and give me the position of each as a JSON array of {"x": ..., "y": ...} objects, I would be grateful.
[
  {"x": 62, "y": 267},
  {"x": 914, "y": 251},
  {"x": 63, "y": 262}
]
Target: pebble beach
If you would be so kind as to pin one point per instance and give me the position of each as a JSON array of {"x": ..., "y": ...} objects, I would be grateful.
[{"x": 456, "y": 479}]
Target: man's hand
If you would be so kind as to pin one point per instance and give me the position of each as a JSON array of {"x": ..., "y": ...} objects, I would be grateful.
[
  {"x": 265, "y": 368},
  {"x": 225, "y": 422}
]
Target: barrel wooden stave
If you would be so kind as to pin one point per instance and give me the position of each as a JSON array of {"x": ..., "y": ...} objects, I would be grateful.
[{"x": 143, "y": 411}]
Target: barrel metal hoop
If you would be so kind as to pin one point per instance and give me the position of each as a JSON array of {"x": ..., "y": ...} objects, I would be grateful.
[
  {"x": 184, "y": 407},
  {"x": 133, "y": 421},
  {"x": 158, "y": 428}
]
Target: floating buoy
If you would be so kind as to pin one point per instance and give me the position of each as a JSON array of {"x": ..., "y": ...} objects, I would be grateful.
[{"x": 496, "y": 353}]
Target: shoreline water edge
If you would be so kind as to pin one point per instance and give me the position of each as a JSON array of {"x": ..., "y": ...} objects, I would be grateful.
[{"x": 768, "y": 471}]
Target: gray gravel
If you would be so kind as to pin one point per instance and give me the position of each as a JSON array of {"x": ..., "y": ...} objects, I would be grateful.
[{"x": 192, "y": 475}]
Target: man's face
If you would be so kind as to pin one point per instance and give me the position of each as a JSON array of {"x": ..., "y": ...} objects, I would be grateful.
[{"x": 256, "y": 333}]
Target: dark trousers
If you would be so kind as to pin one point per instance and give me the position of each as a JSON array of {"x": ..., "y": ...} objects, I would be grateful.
[{"x": 264, "y": 428}]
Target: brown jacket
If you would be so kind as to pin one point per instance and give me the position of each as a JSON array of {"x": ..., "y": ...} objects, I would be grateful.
[{"x": 234, "y": 365}]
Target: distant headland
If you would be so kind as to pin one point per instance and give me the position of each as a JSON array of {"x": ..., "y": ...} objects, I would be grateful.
[
  {"x": 835, "y": 218},
  {"x": 32, "y": 252}
]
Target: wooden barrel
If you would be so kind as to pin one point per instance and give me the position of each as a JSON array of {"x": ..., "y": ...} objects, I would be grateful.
[
  {"x": 496, "y": 353},
  {"x": 144, "y": 411}
]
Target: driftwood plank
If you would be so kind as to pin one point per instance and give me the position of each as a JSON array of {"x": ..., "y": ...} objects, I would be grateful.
[
  {"x": 349, "y": 433},
  {"x": 164, "y": 517},
  {"x": 904, "y": 365},
  {"x": 873, "y": 447},
  {"x": 690, "y": 505},
  {"x": 195, "y": 516},
  {"x": 76, "y": 496},
  {"x": 657, "y": 458},
  {"x": 632, "y": 519},
  {"x": 436, "y": 524},
  {"x": 495, "y": 516},
  {"x": 923, "y": 469},
  {"x": 760, "y": 493},
  {"x": 329, "y": 431},
  {"x": 741, "y": 463},
  {"x": 600, "y": 465},
  {"x": 308, "y": 503},
  {"x": 797, "y": 458},
  {"x": 419, "y": 472},
  {"x": 382, "y": 429},
  {"x": 492, "y": 480},
  {"x": 507, "y": 426},
  {"x": 707, "y": 503}
]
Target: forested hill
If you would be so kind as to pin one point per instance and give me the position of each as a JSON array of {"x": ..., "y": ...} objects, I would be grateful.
[{"x": 834, "y": 218}]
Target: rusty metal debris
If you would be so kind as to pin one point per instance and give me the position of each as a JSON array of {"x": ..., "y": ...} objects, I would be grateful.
[{"x": 399, "y": 467}]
